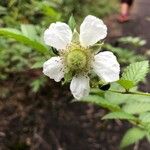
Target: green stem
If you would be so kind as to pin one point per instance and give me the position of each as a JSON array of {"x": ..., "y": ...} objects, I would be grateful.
[{"x": 136, "y": 93}]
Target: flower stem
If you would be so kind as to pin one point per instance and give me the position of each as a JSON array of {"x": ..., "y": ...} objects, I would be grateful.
[{"x": 128, "y": 92}]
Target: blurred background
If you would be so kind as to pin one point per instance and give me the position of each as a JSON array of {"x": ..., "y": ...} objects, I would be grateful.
[{"x": 36, "y": 113}]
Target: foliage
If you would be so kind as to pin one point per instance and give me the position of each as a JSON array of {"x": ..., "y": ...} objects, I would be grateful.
[
  {"x": 135, "y": 41},
  {"x": 81, "y": 8},
  {"x": 132, "y": 135},
  {"x": 132, "y": 105},
  {"x": 134, "y": 73},
  {"x": 23, "y": 21}
]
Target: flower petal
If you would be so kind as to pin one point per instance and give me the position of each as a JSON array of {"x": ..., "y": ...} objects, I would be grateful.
[
  {"x": 58, "y": 35},
  {"x": 80, "y": 86},
  {"x": 105, "y": 65},
  {"x": 92, "y": 30},
  {"x": 54, "y": 68}
]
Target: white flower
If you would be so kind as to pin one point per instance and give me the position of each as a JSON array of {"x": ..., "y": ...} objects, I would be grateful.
[{"x": 78, "y": 58}]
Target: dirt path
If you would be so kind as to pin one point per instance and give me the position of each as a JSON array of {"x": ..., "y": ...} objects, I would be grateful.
[
  {"x": 138, "y": 26},
  {"x": 140, "y": 23}
]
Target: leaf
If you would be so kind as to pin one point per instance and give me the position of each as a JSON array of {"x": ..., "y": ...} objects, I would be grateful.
[
  {"x": 139, "y": 98},
  {"x": 116, "y": 98},
  {"x": 136, "y": 107},
  {"x": 145, "y": 117},
  {"x": 119, "y": 115},
  {"x": 72, "y": 22},
  {"x": 29, "y": 31},
  {"x": 131, "y": 136},
  {"x": 49, "y": 11},
  {"x": 127, "y": 84},
  {"x": 38, "y": 64},
  {"x": 135, "y": 41},
  {"x": 95, "y": 99},
  {"x": 38, "y": 83},
  {"x": 17, "y": 35},
  {"x": 136, "y": 72}
]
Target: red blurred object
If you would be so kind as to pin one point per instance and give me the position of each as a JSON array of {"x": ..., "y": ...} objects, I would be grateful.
[{"x": 123, "y": 18}]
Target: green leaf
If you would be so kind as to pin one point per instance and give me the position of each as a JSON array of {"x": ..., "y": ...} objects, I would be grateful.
[
  {"x": 29, "y": 31},
  {"x": 38, "y": 83},
  {"x": 136, "y": 72},
  {"x": 136, "y": 107},
  {"x": 135, "y": 41},
  {"x": 17, "y": 35},
  {"x": 145, "y": 117},
  {"x": 100, "y": 101},
  {"x": 131, "y": 136},
  {"x": 38, "y": 64},
  {"x": 119, "y": 115},
  {"x": 127, "y": 84},
  {"x": 49, "y": 11},
  {"x": 67, "y": 77},
  {"x": 97, "y": 91},
  {"x": 116, "y": 98},
  {"x": 72, "y": 23}
]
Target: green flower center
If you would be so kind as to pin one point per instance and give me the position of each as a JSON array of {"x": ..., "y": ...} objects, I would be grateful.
[{"x": 77, "y": 60}]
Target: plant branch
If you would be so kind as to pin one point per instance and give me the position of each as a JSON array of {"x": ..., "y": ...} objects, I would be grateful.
[{"x": 127, "y": 92}]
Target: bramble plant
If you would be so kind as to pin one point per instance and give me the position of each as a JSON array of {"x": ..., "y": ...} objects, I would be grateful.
[
  {"x": 80, "y": 62},
  {"x": 80, "y": 59}
]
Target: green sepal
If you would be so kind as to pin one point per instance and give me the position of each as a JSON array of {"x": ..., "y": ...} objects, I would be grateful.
[
  {"x": 67, "y": 78},
  {"x": 96, "y": 47},
  {"x": 75, "y": 37},
  {"x": 72, "y": 22}
]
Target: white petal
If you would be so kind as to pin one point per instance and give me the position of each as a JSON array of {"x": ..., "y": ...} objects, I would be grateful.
[
  {"x": 92, "y": 30},
  {"x": 80, "y": 86},
  {"x": 105, "y": 65},
  {"x": 58, "y": 35},
  {"x": 54, "y": 68}
]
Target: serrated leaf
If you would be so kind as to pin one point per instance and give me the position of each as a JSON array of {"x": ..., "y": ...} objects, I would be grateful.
[
  {"x": 127, "y": 84},
  {"x": 145, "y": 117},
  {"x": 136, "y": 107},
  {"x": 131, "y": 136},
  {"x": 136, "y": 72},
  {"x": 100, "y": 101},
  {"x": 119, "y": 115},
  {"x": 17, "y": 35}
]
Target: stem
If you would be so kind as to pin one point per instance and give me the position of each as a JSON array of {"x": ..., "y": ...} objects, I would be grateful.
[{"x": 136, "y": 93}]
